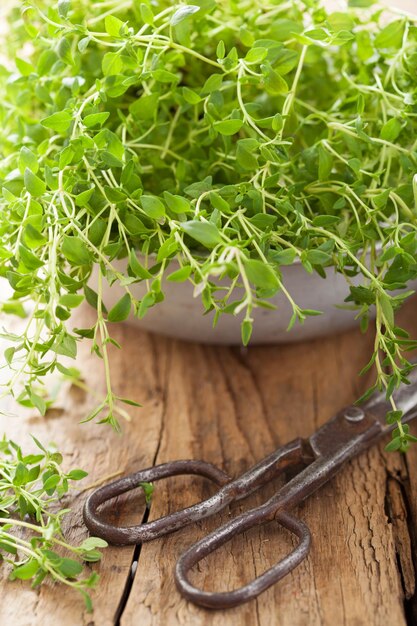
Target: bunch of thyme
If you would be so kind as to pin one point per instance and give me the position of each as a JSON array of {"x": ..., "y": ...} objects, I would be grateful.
[{"x": 234, "y": 137}]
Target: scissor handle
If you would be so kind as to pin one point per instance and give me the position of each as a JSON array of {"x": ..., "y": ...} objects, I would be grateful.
[
  {"x": 210, "y": 543},
  {"x": 128, "y": 535},
  {"x": 230, "y": 490}
]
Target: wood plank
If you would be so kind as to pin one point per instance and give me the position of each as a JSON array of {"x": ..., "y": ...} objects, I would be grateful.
[{"x": 231, "y": 407}]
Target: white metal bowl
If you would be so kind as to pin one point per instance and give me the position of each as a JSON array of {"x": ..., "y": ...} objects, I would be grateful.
[{"x": 182, "y": 315}]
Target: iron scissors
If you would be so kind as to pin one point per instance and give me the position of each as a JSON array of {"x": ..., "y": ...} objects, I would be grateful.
[{"x": 321, "y": 456}]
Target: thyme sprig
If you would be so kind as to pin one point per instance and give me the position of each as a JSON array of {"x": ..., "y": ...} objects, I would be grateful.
[{"x": 32, "y": 541}]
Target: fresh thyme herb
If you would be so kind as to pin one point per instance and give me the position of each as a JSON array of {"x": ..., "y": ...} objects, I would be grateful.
[
  {"x": 31, "y": 537},
  {"x": 235, "y": 137}
]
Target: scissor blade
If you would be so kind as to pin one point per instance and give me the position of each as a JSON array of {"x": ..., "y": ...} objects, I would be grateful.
[{"x": 405, "y": 400}]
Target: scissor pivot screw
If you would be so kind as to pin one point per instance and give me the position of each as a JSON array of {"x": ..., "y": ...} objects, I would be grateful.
[{"x": 354, "y": 414}]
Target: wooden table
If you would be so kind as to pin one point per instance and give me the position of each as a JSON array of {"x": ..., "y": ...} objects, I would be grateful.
[{"x": 231, "y": 407}]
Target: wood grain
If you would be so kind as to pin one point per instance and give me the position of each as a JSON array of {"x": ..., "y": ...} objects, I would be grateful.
[{"x": 231, "y": 407}]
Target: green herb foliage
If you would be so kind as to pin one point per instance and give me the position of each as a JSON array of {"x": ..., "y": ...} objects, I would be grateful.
[
  {"x": 31, "y": 538},
  {"x": 235, "y": 137}
]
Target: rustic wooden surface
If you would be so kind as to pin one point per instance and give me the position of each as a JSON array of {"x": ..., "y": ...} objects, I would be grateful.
[{"x": 231, "y": 407}]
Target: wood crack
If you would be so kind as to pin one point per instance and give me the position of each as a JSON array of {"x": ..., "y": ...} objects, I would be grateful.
[
  {"x": 398, "y": 506},
  {"x": 131, "y": 575},
  {"x": 138, "y": 548}
]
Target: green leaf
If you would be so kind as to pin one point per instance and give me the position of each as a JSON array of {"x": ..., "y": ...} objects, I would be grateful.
[
  {"x": 128, "y": 401},
  {"x": 256, "y": 55},
  {"x": 24, "y": 67},
  {"x": 51, "y": 482},
  {"x": 190, "y": 96},
  {"x": 71, "y": 300},
  {"x": 394, "y": 444},
  {"x": 318, "y": 257},
  {"x": 391, "y": 36},
  {"x": 113, "y": 25},
  {"x": 228, "y": 127},
  {"x": 146, "y": 13},
  {"x": 386, "y": 307},
  {"x": 148, "y": 490},
  {"x": 181, "y": 275},
  {"x": 261, "y": 275},
  {"x": 325, "y": 163},
  {"x": 60, "y": 121},
  {"x": 145, "y": 108},
  {"x": 274, "y": 83},
  {"x": 183, "y": 13},
  {"x": 34, "y": 185},
  {"x": 33, "y": 238},
  {"x": 13, "y": 307},
  {"x": 91, "y": 296},
  {"x": 9, "y": 354},
  {"x": 92, "y": 543},
  {"x": 246, "y": 331},
  {"x": 75, "y": 250},
  {"x": 311, "y": 312},
  {"x": 111, "y": 64},
  {"x": 121, "y": 309},
  {"x": 146, "y": 303},
  {"x": 245, "y": 158},
  {"x": 393, "y": 416},
  {"x": 21, "y": 475},
  {"x": 167, "y": 249},
  {"x": 364, "y": 44},
  {"x": 25, "y": 571},
  {"x": 152, "y": 206},
  {"x": 77, "y": 474},
  {"x": 177, "y": 204},
  {"x": 66, "y": 156},
  {"x": 391, "y": 130},
  {"x": 64, "y": 51},
  {"x": 63, "y": 8},
  {"x": 163, "y": 76},
  {"x": 39, "y": 444},
  {"x": 95, "y": 119},
  {"x": 325, "y": 220},
  {"x": 285, "y": 257},
  {"x": 46, "y": 60},
  {"x": 219, "y": 203},
  {"x": 339, "y": 20},
  {"x": 220, "y": 50},
  {"x": 27, "y": 159},
  {"x": 362, "y": 295},
  {"x": 83, "y": 44},
  {"x": 362, "y": 4},
  {"x": 29, "y": 260},
  {"x": 6, "y": 547},
  {"x": 83, "y": 198},
  {"x": 205, "y": 233},
  {"x": 137, "y": 268},
  {"x": 69, "y": 567},
  {"x": 355, "y": 165}
]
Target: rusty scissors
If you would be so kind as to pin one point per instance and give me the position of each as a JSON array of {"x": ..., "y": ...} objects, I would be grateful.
[{"x": 321, "y": 456}]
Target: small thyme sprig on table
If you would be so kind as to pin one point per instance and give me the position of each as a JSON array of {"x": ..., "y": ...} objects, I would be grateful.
[
  {"x": 234, "y": 137},
  {"x": 32, "y": 542}
]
